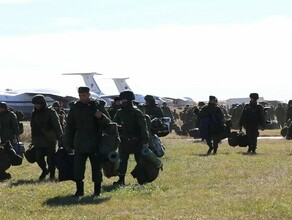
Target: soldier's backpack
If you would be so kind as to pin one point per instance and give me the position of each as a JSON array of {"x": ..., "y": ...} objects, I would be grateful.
[
  {"x": 148, "y": 167},
  {"x": 160, "y": 126},
  {"x": 156, "y": 146}
]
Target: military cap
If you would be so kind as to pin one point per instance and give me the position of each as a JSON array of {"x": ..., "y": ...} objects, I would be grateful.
[
  {"x": 127, "y": 94},
  {"x": 38, "y": 99},
  {"x": 212, "y": 98},
  {"x": 200, "y": 104},
  {"x": 3, "y": 105},
  {"x": 254, "y": 96},
  {"x": 117, "y": 99},
  {"x": 56, "y": 104},
  {"x": 83, "y": 89},
  {"x": 148, "y": 98}
]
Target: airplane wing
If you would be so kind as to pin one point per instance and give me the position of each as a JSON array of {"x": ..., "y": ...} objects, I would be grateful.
[{"x": 54, "y": 94}]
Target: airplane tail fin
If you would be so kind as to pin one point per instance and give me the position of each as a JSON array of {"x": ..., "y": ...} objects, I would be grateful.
[
  {"x": 121, "y": 84},
  {"x": 89, "y": 81}
]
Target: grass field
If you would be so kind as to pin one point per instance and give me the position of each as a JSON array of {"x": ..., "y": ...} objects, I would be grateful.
[{"x": 229, "y": 185}]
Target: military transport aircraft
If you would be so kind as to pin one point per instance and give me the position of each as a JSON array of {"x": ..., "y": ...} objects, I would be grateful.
[
  {"x": 20, "y": 100},
  {"x": 120, "y": 84}
]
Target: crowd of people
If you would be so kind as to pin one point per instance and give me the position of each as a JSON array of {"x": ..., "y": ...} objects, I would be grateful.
[{"x": 80, "y": 130}]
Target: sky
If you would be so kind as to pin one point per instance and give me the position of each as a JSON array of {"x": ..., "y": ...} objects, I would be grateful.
[{"x": 174, "y": 48}]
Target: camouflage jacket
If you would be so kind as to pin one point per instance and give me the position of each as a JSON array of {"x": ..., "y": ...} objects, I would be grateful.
[
  {"x": 8, "y": 126},
  {"x": 45, "y": 127},
  {"x": 83, "y": 130},
  {"x": 133, "y": 124}
]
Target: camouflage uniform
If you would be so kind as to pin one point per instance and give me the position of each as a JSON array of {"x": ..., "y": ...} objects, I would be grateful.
[
  {"x": 151, "y": 108},
  {"x": 252, "y": 118},
  {"x": 83, "y": 134},
  {"x": 280, "y": 115},
  {"x": 45, "y": 131},
  {"x": 212, "y": 114},
  {"x": 133, "y": 132},
  {"x": 9, "y": 131},
  {"x": 289, "y": 119}
]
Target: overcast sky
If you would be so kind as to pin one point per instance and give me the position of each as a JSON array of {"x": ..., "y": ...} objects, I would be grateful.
[{"x": 194, "y": 48}]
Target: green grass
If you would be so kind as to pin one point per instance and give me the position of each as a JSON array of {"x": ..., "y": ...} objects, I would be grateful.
[{"x": 229, "y": 185}]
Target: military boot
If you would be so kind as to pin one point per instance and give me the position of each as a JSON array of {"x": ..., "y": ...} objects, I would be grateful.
[
  {"x": 97, "y": 188},
  {"x": 215, "y": 151},
  {"x": 80, "y": 188},
  {"x": 44, "y": 174},
  {"x": 210, "y": 150},
  {"x": 121, "y": 181}
]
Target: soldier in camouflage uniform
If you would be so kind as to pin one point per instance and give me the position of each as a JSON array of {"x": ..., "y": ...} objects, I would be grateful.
[
  {"x": 252, "y": 118},
  {"x": 133, "y": 132},
  {"x": 212, "y": 122},
  {"x": 61, "y": 113},
  {"x": 45, "y": 131},
  {"x": 9, "y": 131},
  {"x": 151, "y": 108},
  {"x": 280, "y": 115},
  {"x": 83, "y": 133}
]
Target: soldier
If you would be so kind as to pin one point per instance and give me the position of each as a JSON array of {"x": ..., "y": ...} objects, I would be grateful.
[
  {"x": 167, "y": 113},
  {"x": 252, "y": 118},
  {"x": 288, "y": 120},
  {"x": 151, "y": 108},
  {"x": 211, "y": 124},
  {"x": 114, "y": 107},
  {"x": 133, "y": 132},
  {"x": 9, "y": 131},
  {"x": 45, "y": 131},
  {"x": 62, "y": 115},
  {"x": 85, "y": 121},
  {"x": 280, "y": 115}
]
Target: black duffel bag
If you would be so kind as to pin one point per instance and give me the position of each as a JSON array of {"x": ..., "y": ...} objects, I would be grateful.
[{"x": 30, "y": 154}]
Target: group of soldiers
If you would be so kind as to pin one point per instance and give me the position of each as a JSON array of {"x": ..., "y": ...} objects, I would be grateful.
[{"x": 80, "y": 131}]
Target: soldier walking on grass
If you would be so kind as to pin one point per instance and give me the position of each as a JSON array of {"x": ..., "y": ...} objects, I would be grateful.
[
  {"x": 83, "y": 133},
  {"x": 133, "y": 132},
  {"x": 211, "y": 124},
  {"x": 45, "y": 131},
  {"x": 9, "y": 130},
  {"x": 252, "y": 118}
]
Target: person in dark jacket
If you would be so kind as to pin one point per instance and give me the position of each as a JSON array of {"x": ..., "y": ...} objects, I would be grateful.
[
  {"x": 133, "y": 132},
  {"x": 61, "y": 113},
  {"x": 9, "y": 131},
  {"x": 45, "y": 131},
  {"x": 112, "y": 110},
  {"x": 252, "y": 118},
  {"x": 83, "y": 133},
  {"x": 288, "y": 120},
  {"x": 151, "y": 108},
  {"x": 211, "y": 121},
  {"x": 280, "y": 115}
]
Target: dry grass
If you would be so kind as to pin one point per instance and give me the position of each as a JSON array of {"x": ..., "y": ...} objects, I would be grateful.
[{"x": 229, "y": 185}]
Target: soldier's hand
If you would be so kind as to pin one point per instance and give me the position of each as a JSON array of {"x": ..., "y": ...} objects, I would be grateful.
[{"x": 98, "y": 114}]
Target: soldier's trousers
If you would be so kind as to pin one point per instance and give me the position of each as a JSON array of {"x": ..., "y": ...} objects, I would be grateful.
[
  {"x": 252, "y": 134},
  {"x": 41, "y": 153},
  {"x": 124, "y": 157},
  {"x": 80, "y": 164}
]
